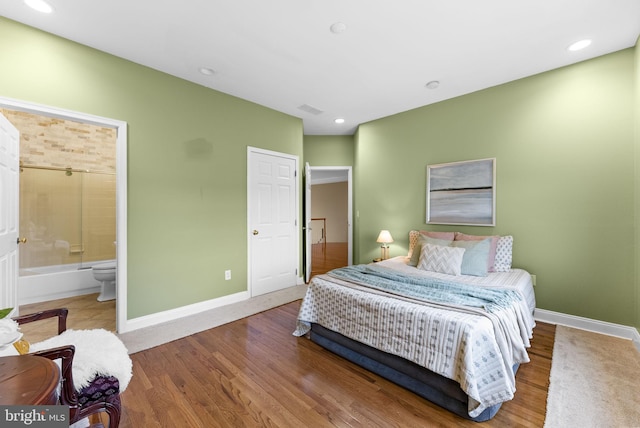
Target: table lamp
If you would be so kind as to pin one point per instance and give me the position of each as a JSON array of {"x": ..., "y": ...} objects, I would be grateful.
[{"x": 384, "y": 238}]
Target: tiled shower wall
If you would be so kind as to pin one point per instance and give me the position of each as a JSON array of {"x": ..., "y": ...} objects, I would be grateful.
[
  {"x": 51, "y": 142},
  {"x": 65, "y": 218}
]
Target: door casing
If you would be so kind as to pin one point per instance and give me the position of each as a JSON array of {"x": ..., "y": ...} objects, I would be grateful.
[
  {"x": 310, "y": 180},
  {"x": 121, "y": 187}
]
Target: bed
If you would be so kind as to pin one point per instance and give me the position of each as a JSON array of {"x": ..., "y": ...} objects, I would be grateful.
[{"x": 458, "y": 346}]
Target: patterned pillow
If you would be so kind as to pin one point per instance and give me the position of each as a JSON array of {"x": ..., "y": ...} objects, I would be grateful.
[
  {"x": 413, "y": 240},
  {"x": 504, "y": 254},
  {"x": 440, "y": 259},
  {"x": 423, "y": 239}
]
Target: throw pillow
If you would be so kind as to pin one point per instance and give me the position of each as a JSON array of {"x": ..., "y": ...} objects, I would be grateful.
[
  {"x": 424, "y": 239},
  {"x": 492, "y": 251},
  {"x": 413, "y": 240},
  {"x": 414, "y": 235},
  {"x": 441, "y": 259},
  {"x": 504, "y": 254},
  {"x": 476, "y": 256}
]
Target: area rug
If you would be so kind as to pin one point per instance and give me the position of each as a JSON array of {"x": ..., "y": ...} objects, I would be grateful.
[{"x": 594, "y": 382}]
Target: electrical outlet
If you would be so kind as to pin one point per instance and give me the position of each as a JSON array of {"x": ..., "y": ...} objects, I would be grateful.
[
  {"x": 533, "y": 280},
  {"x": 227, "y": 275}
]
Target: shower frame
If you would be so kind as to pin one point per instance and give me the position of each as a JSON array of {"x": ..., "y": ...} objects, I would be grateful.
[{"x": 59, "y": 219}]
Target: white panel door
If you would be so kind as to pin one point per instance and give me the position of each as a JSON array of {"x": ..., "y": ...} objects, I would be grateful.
[
  {"x": 9, "y": 206},
  {"x": 273, "y": 230}
]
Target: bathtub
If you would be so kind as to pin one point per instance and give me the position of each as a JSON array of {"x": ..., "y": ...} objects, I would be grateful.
[{"x": 40, "y": 284}]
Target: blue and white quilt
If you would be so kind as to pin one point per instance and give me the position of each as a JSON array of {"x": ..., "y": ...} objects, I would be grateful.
[{"x": 471, "y": 334}]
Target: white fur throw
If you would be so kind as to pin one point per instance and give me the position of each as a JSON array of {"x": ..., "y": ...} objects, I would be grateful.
[{"x": 98, "y": 352}]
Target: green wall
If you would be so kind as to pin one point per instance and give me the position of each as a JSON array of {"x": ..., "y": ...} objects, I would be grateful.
[
  {"x": 564, "y": 144},
  {"x": 187, "y": 154},
  {"x": 329, "y": 150}
]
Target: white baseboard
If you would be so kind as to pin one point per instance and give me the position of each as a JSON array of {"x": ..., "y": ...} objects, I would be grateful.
[
  {"x": 153, "y": 330},
  {"x": 602, "y": 327},
  {"x": 181, "y": 312}
]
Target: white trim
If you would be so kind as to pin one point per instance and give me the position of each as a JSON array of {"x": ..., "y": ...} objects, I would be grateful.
[
  {"x": 162, "y": 331},
  {"x": 121, "y": 228},
  {"x": 602, "y": 327},
  {"x": 296, "y": 161},
  {"x": 349, "y": 180},
  {"x": 328, "y": 180},
  {"x": 183, "y": 311},
  {"x": 121, "y": 186}
]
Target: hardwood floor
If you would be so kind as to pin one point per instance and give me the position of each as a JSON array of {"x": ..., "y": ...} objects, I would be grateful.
[
  {"x": 85, "y": 312},
  {"x": 254, "y": 373},
  {"x": 325, "y": 257}
]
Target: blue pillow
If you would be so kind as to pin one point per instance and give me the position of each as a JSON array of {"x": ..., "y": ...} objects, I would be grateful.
[{"x": 476, "y": 256}]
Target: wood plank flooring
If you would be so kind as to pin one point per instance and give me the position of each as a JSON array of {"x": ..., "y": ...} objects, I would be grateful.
[
  {"x": 254, "y": 373},
  {"x": 325, "y": 257},
  {"x": 85, "y": 312}
]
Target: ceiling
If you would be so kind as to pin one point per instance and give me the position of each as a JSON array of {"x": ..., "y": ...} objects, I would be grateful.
[{"x": 282, "y": 54}]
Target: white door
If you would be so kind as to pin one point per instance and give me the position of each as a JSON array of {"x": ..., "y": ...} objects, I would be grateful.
[
  {"x": 307, "y": 222},
  {"x": 9, "y": 206},
  {"x": 273, "y": 228}
]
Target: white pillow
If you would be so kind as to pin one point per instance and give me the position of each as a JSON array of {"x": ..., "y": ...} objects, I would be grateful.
[
  {"x": 437, "y": 258},
  {"x": 504, "y": 254}
]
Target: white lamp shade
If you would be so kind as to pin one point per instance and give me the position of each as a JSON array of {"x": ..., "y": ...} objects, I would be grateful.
[{"x": 384, "y": 237}]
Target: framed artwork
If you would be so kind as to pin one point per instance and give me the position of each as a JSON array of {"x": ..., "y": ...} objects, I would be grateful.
[{"x": 462, "y": 193}]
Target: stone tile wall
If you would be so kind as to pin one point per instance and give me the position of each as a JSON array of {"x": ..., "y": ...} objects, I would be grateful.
[{"x": 58, "y": 143}]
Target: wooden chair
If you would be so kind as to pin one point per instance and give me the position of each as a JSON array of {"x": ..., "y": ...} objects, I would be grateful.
[{"x": 103, "y": 392}]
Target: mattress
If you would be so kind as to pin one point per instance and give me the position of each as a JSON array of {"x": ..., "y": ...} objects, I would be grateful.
[{"x": 475, "y": 349}]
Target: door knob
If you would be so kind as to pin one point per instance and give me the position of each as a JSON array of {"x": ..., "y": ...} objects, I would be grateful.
[
  {"x": 21, "y": 241},
  {"x": 255, "y": 232}
]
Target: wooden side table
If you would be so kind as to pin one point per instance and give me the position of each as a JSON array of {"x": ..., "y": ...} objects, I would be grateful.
[{"x": 28, "y": 379}]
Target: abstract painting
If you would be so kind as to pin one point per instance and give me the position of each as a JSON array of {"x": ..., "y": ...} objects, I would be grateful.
[{"x": 462, "y": 193}]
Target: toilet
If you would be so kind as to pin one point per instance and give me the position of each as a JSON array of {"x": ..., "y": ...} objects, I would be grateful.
[{"x": 105, "y": 273}]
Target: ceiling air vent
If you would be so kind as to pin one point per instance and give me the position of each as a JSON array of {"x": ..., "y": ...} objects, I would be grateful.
[{"x": 310, "y": 109}]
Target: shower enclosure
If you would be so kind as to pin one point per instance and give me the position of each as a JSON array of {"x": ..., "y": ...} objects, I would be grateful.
[{"x": 68, "y": 218}]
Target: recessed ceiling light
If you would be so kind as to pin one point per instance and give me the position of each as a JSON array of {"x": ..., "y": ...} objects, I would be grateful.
[
  {"x": 207, "y": 71},
  {"x": 339, "y": 120},
  {"x": 579, "y": 45},
  {"x": 39, "y": 5},
  {"x": 433, "y": 84},
  {"x": 338, "y": 27}
]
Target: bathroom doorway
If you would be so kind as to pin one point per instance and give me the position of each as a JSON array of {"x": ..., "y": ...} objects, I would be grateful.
[{"x": 73, "y": 195}]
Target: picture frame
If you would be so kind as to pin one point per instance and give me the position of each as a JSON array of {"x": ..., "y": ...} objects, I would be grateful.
[{"x": 462, "y": 193}]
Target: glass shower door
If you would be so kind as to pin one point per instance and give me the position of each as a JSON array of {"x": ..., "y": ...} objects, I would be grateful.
[{"x": 50, "y": 219}]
